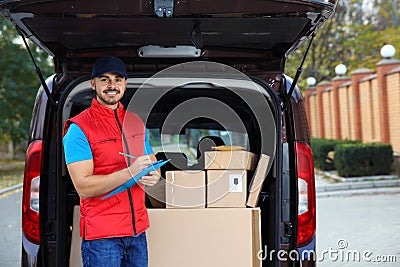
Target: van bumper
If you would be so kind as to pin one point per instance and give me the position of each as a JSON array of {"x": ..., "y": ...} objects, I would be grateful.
[
  {"x": 308, "y": 254},
  {"x": 29, "y": 253}
]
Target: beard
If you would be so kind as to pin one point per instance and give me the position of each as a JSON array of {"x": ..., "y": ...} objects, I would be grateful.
[{"x": 109, "y": 100}]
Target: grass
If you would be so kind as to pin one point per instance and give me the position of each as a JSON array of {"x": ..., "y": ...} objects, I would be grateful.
[
  {"x": 11, "y": 173},
  {"x": 10, "y": 180}
]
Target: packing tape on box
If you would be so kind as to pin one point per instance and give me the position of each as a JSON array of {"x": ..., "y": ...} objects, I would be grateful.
[{"x": 172, "y": 188}]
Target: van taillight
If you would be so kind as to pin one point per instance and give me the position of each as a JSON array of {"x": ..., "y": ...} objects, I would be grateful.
[
  {"x": 30, "y": 200},
  {"x": 306, "y": 189}
]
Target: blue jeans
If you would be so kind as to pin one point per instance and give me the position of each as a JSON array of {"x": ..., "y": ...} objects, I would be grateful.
[{"x": 115, "y": 252}]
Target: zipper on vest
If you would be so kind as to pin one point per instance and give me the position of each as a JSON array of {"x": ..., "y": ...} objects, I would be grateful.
[
  {"x": 129, "y": 164},
  {"x": 133, "y": 211}
]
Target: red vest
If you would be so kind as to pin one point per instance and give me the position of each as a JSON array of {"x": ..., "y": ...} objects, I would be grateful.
[{"x": 124, "y": 214}]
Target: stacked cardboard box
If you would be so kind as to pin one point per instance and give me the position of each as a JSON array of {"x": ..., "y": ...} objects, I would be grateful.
[
  {"x": 195, "y": 237},
  {"x": 226, "y": 188},
  {"x": 211, "y": 189},
  {"x": 185, "y": 189},
  {"x": 204, "y": 237},
  {"x": 258, "y": 181},
  {"x": 223, "y": 184},
  {"x": 227, "y": 177},
  {"x": 187, "y": 233},
  {"x": 206, "y": 222},
  {"x": 230, "y": 160}
]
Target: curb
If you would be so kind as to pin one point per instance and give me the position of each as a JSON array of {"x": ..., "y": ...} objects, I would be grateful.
[
  {"x": 359, "y": 192},
  {"x": 340, "y": 179},
  {"x": 358, "y": 185},
  {"x": 10, "y": 189},
  {"x": 361, "y": 185}
]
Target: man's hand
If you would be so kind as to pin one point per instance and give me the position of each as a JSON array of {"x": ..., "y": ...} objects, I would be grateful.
[
  {"x": 139, "y": 164},
  {"x": 150, "y": 179}
]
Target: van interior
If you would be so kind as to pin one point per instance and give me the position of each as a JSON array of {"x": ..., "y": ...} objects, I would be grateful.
[{"x": 183, "y": 121}]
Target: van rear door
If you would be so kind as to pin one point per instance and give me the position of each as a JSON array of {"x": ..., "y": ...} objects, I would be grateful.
[{"x": 252, "y": 33}]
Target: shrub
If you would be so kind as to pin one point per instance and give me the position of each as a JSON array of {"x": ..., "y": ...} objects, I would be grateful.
[
  {"x": 323, "y": 152},
  {"x": 321, "y": 149},
  {"x": 363, "y": 159}
]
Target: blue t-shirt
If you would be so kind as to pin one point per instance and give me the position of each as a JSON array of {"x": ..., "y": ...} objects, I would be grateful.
[{"x": 77, "y": 148}]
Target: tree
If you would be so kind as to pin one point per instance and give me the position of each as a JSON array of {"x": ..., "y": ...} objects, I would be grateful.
[
  {"x": 386, "y": 14},
  {"x": 18, "y": 84},
  {"x": 352, "y": 36},
  {"x": 327, "y": 47}
]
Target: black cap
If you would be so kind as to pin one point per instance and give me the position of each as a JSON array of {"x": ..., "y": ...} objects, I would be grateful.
[{"x": 108, "y": 64}]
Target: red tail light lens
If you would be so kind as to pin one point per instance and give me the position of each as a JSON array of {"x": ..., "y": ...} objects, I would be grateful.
[
  {"x": 306, "y": 201},
  {"x": 30, "y": 200}
]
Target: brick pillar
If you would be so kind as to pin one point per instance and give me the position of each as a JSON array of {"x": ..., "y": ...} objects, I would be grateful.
[
  {"x": 383, "y": 67},
  {"x": 356, "y": 76},
  {"x": 309, "y": 91},
  {"x": 320, "y": 88},
  {"x": 336, "y": 82}
]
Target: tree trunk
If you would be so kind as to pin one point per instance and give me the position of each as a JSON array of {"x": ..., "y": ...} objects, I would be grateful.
[{"x": 11, "y": 151}]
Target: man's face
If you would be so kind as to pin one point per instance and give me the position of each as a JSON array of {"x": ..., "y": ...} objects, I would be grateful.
[{"x": 110, "y": 88}]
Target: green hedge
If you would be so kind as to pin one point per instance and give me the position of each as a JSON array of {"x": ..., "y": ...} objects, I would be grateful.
[
  {"x": 363, "y": 159},
  {"x": 323, "y": 152}
]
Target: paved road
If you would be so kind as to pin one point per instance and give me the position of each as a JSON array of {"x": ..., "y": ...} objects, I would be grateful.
[
  {"x": 365, "y": 226},
  {"x": 10, "y": 230}
]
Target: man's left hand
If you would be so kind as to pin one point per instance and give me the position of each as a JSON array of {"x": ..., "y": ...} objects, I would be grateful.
[{"x": 151, "y": 179}]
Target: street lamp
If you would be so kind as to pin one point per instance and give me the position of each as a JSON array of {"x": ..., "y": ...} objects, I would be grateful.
[
  {"x": 388, "y": 51},
  {"x": 311, "y": 81},
  {"x": 340, "y": 70}
]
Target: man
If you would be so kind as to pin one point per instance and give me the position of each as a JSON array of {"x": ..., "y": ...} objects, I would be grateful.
[{"x": 112, "y": 230}]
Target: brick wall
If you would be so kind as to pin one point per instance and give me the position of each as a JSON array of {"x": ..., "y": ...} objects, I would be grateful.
[
  {"x": 367, "y": 106},
  {"x": 367, "y": 118},
  {"x": 344, "y": 112},
  {"x": 393, "y": 105},
  {"x": 333, "y": 112},
  {"x": 328, "y": 118},
  {"x": 354, "y": 111},
  {"x": 376, "y": 108},
  {"x": 314, "y": 116}
]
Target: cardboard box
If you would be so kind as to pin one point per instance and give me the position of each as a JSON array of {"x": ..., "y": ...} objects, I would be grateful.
[
  {"x": 226, "y": 188},
  {"x": 156, "y": 194},
  {"x": 229, "y": 160},
  {"x": 204, "y": 237},
  {"x": 257, "y": 181},
  {"x": 75, "y": 258},
  {"x": 185, "y": 189}
]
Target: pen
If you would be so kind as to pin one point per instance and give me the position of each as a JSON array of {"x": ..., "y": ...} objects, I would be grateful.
[{"x": 127, "y": 155}]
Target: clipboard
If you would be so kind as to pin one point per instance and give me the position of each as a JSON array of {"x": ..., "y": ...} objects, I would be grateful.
[{"x": 152, "y": 167}]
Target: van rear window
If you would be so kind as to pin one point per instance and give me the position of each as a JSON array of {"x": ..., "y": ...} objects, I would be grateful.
[{"x": 188, "y": 141}]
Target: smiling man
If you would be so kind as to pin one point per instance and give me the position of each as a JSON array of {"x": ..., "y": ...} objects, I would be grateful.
[
  {"x": 109, "y": 80},
  {"x": 112, "y": 230}
]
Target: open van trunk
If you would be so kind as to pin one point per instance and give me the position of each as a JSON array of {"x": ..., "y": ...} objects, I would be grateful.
[
  {"x": 251, "y": 34},
  {"x": 179, "y": 108},
  {"x": 207, "y": 42}
]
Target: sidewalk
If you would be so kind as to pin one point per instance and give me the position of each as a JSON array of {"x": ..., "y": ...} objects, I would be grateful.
[
  {"x": 328, "y": 184},
  {"x": 10, "y": 189}
]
